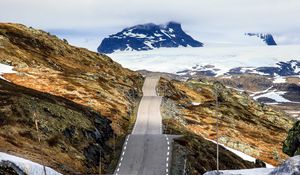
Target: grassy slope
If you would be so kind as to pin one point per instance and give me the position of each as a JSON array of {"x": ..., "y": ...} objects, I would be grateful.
[{"x": 70, "y": 134}]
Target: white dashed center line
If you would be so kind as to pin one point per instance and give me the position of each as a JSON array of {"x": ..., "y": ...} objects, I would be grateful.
[
  {"x": 167, "y": 157},
  {"x": 122, "y": 156}
]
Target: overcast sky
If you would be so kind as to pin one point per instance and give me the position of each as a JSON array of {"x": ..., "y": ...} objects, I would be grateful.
[{"x": 206, "y": 20}]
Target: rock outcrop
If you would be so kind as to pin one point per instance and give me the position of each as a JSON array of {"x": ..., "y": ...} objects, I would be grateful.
[{"x": 291, "y": 145}]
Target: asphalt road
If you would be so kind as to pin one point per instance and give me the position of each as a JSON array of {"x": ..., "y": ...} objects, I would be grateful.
[{"x": 146, "y": 151}]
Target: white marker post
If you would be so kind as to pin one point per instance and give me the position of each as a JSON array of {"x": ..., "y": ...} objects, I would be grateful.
[{"x": 217, "y": 126}]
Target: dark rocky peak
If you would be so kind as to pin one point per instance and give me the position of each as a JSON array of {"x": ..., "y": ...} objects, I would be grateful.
[
  {"x": 147, "y": 37},
  {"x": 266, "y": 37}
]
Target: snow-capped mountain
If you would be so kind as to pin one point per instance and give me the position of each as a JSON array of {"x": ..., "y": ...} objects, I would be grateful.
[
  {"x": 266, "y": 38},
  {"x": 282, "y": 68},
  {"x": 147, "y": 37},
  {"x": 288, "y": 68}
]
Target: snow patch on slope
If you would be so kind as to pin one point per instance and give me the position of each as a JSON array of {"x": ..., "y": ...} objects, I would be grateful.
[
  {"x": 254, "y": 171},
  {"x": 5, "y": 69},
  {"x": 275, "y": 95},
  {"x": 279, "y": 79},
  {"x": 289, "y": 167},
  {"x": 240, "y": 154},
  {"x": 27, "y": 166}
]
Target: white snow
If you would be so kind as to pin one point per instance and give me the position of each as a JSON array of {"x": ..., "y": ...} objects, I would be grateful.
[
  {"x": 254, "y": 171},
  {"x": 29, "y": 167},
  {"x": 5, "y": 69},
  {"x": 227, "y": 77},
  {"x": 288, "y": 167},
  {"x": 149, "y": 44},
  {"x": 172, "y": 60},
  {"x": 240, "y": 154},
  {"x": 275, "y": 95},
  {"x": 128, "y": 48},
  {"x": 171, "y": 30},
  {"x": 136, "y": 35},
  {"x": 158, "y": 34},
  {"x": 260, "y": 92},
  {"x": 166, "y": 33},
  {"x": 295, "y": 67},
  {"x": 279, "y": 79},
  {"x": 196, "y": 103}
]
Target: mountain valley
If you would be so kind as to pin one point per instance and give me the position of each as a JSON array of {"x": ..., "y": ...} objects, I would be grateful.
[{"x": 70, "y": 109}]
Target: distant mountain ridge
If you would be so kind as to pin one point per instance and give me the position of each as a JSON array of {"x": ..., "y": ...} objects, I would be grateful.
[
  {"x": 267, "y": 38},
  {"x": 147, "y": 37}
]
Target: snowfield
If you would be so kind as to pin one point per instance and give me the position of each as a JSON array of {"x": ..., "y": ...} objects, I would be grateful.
[
  {"x": 172, "y": 60},
  {"x": 275, "y": 95},
  {"x": 4, "y": 69},
  {"x": 289, "y": 167},
  {"x": 27, "y": 166},
  {"x": 254, "y": 171},
  {"x": 240, "y": 154}
]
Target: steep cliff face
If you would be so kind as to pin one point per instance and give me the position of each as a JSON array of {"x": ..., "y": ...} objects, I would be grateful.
[
  {"x": 79, "y": 100},
  {"x": 245, "y": 125}
]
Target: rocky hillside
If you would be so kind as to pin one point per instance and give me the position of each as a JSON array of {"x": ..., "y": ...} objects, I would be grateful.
[
  {"x": 148, "y": 37},
  {"x": 52, "y": 130},
  {"x": 100, "y": 87},
  {"x": 195, "y": 155},
  {"x": 48, "y": 64},
  {"x": 245, "y": 125}
]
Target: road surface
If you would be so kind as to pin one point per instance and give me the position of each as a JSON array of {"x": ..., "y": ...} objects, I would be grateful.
[{"x": 146, "y": 150}]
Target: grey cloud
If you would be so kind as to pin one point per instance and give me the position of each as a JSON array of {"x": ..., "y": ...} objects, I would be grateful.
[{"x": 199, "y": 17}]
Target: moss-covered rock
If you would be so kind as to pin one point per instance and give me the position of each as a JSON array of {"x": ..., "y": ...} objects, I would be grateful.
[
  {"x": 291, "y": 145},
  {"x": 53, "y": 131}
]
